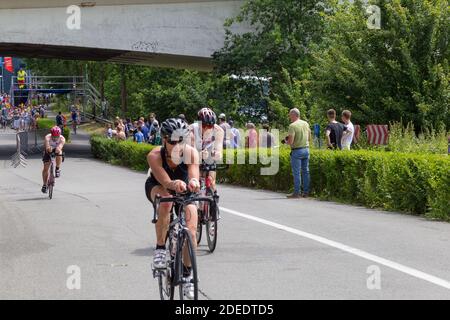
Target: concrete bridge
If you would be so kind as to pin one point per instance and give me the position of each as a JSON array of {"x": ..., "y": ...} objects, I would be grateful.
[{"x": 171, "y": 33}]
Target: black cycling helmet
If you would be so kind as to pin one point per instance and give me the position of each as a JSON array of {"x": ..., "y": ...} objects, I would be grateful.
[
  {"x": 207, "y": 116},
  {"x": 174, "y": 129}
]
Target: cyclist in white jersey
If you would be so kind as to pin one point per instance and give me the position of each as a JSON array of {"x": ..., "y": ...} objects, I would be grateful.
[
  {"x": 53, "y": 142},
  {"x": 207, "y": 138}
]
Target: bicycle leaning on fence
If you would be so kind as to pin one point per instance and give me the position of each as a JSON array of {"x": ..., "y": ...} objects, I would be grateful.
[{"x": 180, "y": 246}]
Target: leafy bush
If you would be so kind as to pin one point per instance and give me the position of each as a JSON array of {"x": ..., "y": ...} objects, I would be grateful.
[{"x": 411, "y": 183}]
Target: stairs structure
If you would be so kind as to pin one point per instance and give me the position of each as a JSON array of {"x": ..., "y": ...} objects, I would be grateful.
[{"x": 79, "y": 87}]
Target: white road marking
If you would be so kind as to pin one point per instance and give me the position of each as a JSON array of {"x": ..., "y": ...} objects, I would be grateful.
[{"x": 388, "y": 263}]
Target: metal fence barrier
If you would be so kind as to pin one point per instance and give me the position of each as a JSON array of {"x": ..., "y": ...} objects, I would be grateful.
[{"x": 18, "y": 159}]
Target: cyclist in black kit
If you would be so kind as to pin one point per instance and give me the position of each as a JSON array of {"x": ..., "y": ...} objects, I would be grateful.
[{"x": 175, "y": 167}]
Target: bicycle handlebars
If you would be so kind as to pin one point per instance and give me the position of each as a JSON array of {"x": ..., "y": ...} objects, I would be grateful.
[{"x": 180, "y": 198}]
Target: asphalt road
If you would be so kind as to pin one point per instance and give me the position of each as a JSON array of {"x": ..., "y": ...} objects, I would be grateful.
[{"x": 269, "y": 247}]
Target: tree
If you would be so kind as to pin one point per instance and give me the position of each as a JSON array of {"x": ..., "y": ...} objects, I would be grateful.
[
  {"x": 400, "y": 72},
  {"x": 277, "y": 47}
]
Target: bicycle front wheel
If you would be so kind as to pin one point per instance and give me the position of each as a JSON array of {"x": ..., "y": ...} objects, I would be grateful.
[
  {"x": 188, "y": 244},
  {"x": 50, "y": 191},
  {"x": 165, "y": 285}
]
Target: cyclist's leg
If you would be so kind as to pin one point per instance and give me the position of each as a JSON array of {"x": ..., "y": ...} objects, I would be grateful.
[
  {"x": 46, "y": 160},
  {"x": 212, "y": 177},
  {"x": 163, "y": 214},
  {"x": 59, "y": 160},
  {"x": 191, "y": 222}
]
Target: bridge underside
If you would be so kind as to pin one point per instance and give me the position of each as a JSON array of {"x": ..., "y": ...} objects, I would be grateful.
[
  {"x": 107, "y": 55},
  {"x": 176, "y": 33}
]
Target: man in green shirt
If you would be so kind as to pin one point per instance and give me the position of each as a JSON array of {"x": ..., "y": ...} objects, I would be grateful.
[{"x": 299, "y": 138}]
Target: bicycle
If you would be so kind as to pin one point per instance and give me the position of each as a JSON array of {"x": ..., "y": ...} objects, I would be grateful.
[
  {"x": 179, "y": 238},
  {"x": 52, "y": 175},
  {"x": 74, "y": 127},
  {"x": 208, "y": 212}
]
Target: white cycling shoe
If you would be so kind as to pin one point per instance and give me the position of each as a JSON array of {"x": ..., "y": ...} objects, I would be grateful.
[
  {"x": 188, "y": 287},
  {"x": 159, "y": 259}
]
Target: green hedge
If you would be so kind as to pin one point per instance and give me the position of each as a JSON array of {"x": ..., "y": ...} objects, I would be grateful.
[
  {"x": 417, "y": 184},
  {"x": 49, "y": 123}
]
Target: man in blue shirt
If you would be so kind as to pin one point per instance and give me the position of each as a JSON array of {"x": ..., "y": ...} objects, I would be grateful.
[{"x": 144, "y": 130}]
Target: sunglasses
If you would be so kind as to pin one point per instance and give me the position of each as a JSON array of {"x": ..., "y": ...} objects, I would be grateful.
[{"x": 173, "y": 143}]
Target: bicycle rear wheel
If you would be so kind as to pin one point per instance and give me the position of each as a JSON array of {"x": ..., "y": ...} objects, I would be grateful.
[
  {"x": 211, "y": 234},
  {"x": 199, "y": 228},
  {"x": 187, "y": 242},
  {"x": 211, "y": 225}
]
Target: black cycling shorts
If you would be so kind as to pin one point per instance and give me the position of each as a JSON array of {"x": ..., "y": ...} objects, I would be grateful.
[{"x": 149, "y": 185}]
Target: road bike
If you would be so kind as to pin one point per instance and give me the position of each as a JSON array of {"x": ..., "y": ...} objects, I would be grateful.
[
  {"x": 178, "y": 239},
  {"x": 52, "y": 173},
  {"x": 208, "y": 212}
]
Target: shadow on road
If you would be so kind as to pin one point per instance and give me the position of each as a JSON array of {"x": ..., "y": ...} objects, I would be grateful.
[
  {"x": 144, "y": 252},
  {"x": 33, "y": 199},
  {"x": 148, "y": 252}
]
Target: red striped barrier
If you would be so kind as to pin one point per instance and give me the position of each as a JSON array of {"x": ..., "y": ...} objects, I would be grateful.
[{"x": 377, "y": 134}]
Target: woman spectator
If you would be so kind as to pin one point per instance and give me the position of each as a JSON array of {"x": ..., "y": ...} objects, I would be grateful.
[{"x": 251, "y": 141}]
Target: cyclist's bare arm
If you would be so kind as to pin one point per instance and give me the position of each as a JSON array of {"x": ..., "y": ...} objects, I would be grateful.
[
  {"x": 155, "y": 163},
  {"x": 47, "y": 146},
  {"x": 193, "y": 168},
  {"x": 60, "y": 146}
]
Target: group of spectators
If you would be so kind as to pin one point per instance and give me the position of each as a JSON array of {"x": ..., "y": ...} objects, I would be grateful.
[
  {"x": 148, "y": 131},
  {"x": 339, "y": 136},
  {"x": 20, "y": 118},
  {"x": 140, "y": 131}
]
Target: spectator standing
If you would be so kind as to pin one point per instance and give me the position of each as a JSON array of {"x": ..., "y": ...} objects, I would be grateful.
[
  {"x": 252, "y": 136},
  {"x": 226, "y": 129},
  {"x": 120, "y": 135},
  {"x": 236, "y": 136},
  {"x": 334, "y": 131},
  {"x": 299, "y": 138},
  {"x": 267, "y": 140},
  {"x": 16, "y": 120},
  {"x": 60, "y": 121},
  {"x": 145, "y": 131},
  {"x": 348, "y": 134},
  {"x": 139, "y": 136},
  {"x": 109, "y": 131}
]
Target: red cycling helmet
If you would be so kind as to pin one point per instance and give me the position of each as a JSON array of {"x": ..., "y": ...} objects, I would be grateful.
[
  {"x": 207, "y": 116},
  {"x": 56, "y": 131}
]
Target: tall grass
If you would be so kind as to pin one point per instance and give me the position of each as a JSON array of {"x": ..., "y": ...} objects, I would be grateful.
[{"x": 404, "y": 139}]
